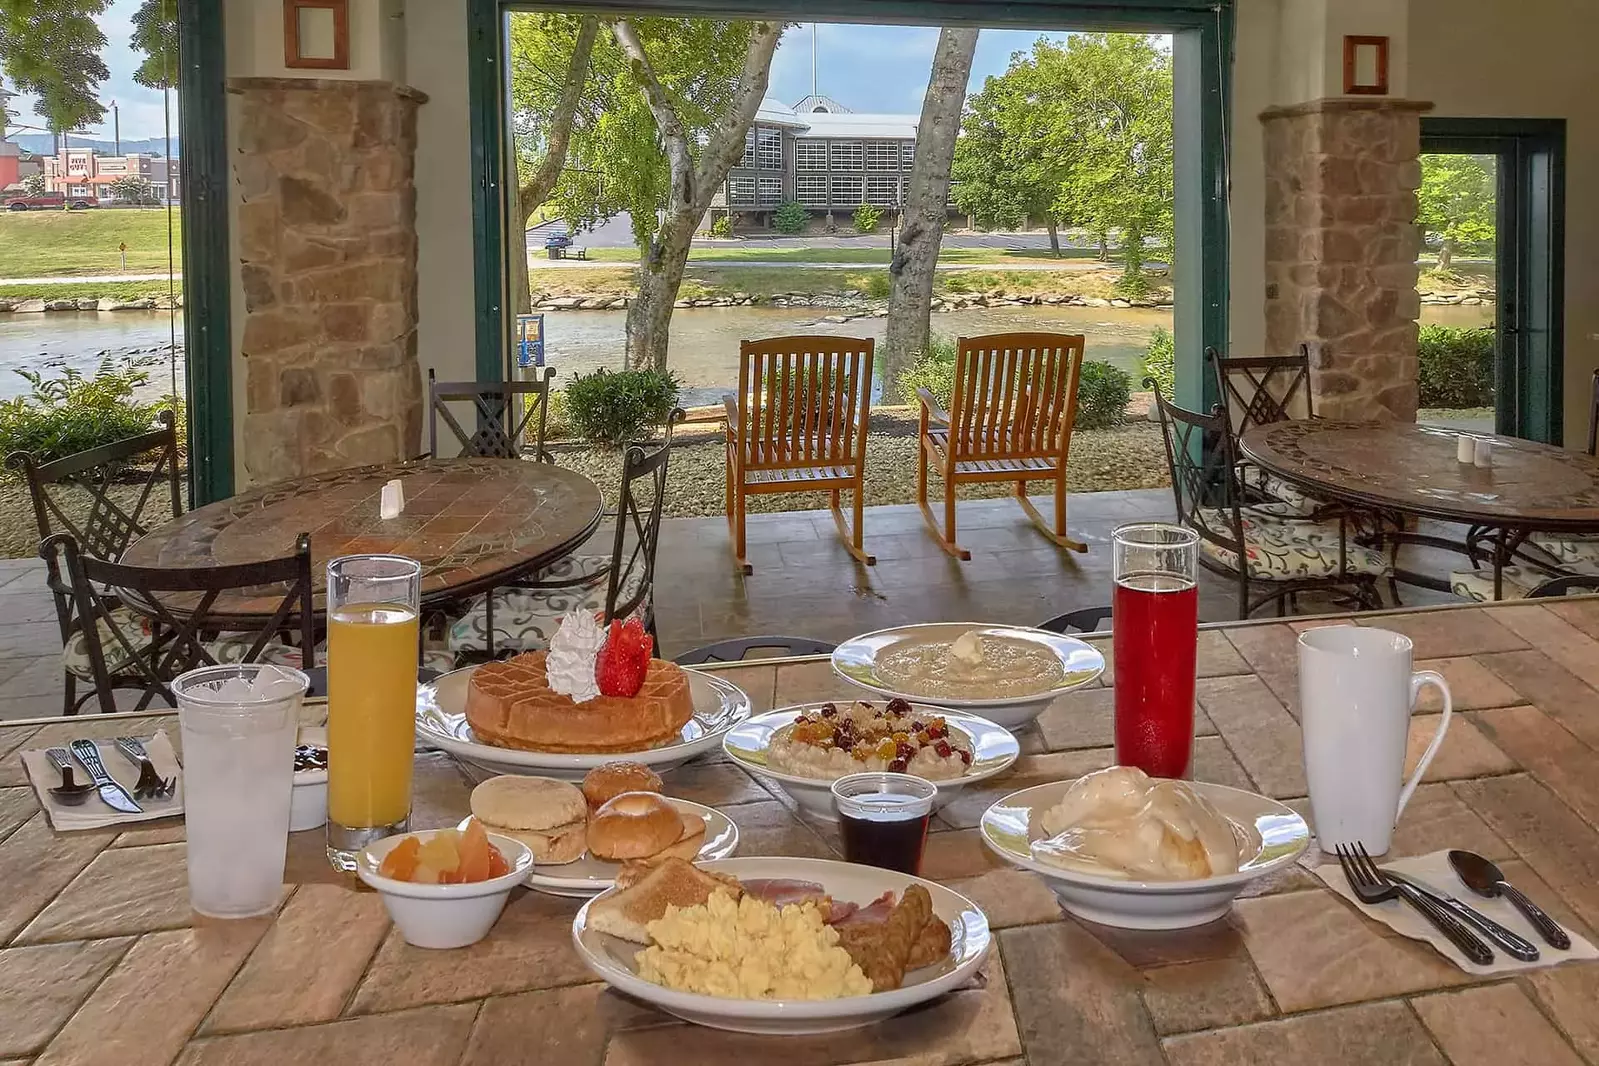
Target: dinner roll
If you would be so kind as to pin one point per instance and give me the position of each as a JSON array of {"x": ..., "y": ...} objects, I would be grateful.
[
  {"x": 606, "y": 782},
  {"x": 548, "y": 816},
  {"x": 634, "y": 825}
]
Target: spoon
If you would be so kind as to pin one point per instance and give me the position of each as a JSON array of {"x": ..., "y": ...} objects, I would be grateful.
[
  {"x": 68, "y": 791},
  {"x": 1486, "y": 879}
]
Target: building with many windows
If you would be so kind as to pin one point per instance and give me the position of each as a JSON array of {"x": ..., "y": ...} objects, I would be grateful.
[
  {"x": 822, "y": 155},
  {"x": 83, "y": 173}
]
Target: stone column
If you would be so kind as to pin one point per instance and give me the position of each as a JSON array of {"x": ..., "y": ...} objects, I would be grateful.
[
  {"x": 327, "y": 249},
  {"x": 1341, "y": 246}
]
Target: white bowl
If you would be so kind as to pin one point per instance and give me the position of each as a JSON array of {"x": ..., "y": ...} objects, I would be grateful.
[
  {"x": 308, "y": 803},
  {"x": 441, "y": 722},
  {"x": 444, "y": 916},
  {"x": 993, "y": 751},
  {"x": 855, "y": 661},
  {"x": 1008, "y": 831},
  {"x": 612, "y": 959}
]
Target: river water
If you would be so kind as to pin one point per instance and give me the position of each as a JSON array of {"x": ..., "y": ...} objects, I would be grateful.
[{"x": 704, "y": 340}]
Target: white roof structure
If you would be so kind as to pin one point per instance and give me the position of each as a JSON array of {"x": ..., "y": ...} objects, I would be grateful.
[
  {"x": 847, "y": 124},
  {"x": 821, "y": 103}
]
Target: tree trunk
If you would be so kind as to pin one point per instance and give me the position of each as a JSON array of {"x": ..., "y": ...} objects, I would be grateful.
[
  {"x": 1102, "y": 239},
  {"x": 910, "y": 299},
  {"x": 1132, "y": 280},
  {"x": 1054, "y": 238},
  {"x": 1446, "y": 255},
  {"x": 516, "y": 252},
  {"x": 691, "y": 187}
]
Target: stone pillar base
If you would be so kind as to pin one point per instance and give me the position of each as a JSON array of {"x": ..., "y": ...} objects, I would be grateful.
[
  {"x": 1341, "y": 247},
  {"x": 327, "y": 247}
]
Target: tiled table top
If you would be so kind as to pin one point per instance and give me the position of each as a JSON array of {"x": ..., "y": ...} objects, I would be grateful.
[
  {"x": 102, "y": 961},
  {"x": 468, "y": 521}
]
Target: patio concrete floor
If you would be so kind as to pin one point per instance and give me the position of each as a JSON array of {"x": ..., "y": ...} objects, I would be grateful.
[{"x": 804, "y": 583}]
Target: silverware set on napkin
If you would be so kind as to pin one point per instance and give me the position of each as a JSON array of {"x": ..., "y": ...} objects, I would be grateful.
[
  {"x": 150, "y": 786},
  {"x": 1454, "y": 919}
]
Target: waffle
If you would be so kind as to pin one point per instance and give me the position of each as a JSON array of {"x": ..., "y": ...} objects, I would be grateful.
[{"x": 510, "y": 704}]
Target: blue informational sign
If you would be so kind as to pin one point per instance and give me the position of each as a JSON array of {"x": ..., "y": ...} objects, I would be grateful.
[{"x": 529, "y": 340}]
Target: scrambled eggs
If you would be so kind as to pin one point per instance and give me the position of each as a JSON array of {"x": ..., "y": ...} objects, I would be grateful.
[{"x": 749, "y": 950}]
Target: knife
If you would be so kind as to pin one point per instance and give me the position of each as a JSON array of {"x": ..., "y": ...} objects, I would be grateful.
[
  {"x": 1513, "y": 944},
  {"x": 114, "y": 795}
]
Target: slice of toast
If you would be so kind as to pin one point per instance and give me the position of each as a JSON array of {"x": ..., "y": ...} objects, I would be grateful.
[{"x": 642, "y": 897}]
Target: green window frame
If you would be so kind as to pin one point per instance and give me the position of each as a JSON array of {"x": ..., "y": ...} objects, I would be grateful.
[{"x": 1202, "y": 60}]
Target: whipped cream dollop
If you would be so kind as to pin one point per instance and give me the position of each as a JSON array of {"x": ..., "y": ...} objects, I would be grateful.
[
  {"x": 966, "y": 654},
  {"x": 576, "y": 645}
]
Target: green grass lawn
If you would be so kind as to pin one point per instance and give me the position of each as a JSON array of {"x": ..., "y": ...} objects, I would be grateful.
[
  {"x": 758, "y": 252},
  {"x": 100, "y": 290},
  {"x": 41, "y": 244}
]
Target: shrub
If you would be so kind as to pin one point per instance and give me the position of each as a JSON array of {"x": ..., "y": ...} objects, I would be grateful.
[
  {"x": 866, "y": 218},
  {"x": 790, "y": 217},
  {"x": 1456, "y": 366},
  {"x": 73, "y": 413},
  {"x": 614, "y": 408},
  {"x": 1160, "y": 363},
  {"x": 722, "y": 226},
  {"x": 877, "y": 285},
  {"x": 933, "y": 370},
  {"x": 1102, "y": 395},
  {"x": 557, "y": 421}
]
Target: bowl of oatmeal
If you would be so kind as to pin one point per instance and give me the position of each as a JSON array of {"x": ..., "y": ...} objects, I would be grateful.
[
  {"x": 804, "y": 749},
  {"x": 1007, "y": 674}
]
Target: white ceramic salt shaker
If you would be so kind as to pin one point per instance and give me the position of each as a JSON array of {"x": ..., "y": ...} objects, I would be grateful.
[
  {"x": 392, "y": 500},
  {"x": 1465, "y": 448},
  {"x": 1482, "y": 454}
]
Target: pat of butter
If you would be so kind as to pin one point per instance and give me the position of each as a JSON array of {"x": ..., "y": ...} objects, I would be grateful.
[
  {"x": 967, "y": 650},
  {"x": 392, "y": 501}
]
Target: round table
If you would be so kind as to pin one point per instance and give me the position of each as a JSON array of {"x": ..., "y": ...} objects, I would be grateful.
[
  {"x": 471, "y": 523},
  {"x": 1412, "y": 469}
]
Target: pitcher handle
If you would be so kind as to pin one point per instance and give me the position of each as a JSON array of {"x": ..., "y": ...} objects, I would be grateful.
[{"x": 1418, "y": 681}]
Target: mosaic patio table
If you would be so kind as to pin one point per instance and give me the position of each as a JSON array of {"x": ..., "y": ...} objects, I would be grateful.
[
  {"x": 471, "y": 523},
  {"x": 102, "y": 962},
  {"x": 1412, "y": 470}
]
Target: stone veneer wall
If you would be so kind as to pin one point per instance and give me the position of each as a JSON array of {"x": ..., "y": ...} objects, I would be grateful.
[
  {"x": 1341, "y": 246},
  {"x": 327, "y": 250}
]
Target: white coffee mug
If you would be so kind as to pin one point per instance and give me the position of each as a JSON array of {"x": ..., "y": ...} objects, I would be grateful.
[{"x": 1356, "y": 692}]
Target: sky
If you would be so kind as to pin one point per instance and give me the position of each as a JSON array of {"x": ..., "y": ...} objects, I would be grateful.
[
  {"x": 865, "y": 68},
  {"x": 140, "y": 108},
  {"x": 881, "y": 68}
]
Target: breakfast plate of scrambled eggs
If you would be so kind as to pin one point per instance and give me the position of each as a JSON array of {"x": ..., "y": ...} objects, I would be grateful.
[{"x": 748, "y": 965}]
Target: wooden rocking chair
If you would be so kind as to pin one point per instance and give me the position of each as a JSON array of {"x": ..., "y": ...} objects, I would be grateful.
[
  {"x": 1010, "y": 419},
  {"x": 798, "y": 424}
]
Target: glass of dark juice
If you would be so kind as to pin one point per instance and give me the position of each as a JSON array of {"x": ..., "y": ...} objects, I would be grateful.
[{"x": 884, "y": 818}]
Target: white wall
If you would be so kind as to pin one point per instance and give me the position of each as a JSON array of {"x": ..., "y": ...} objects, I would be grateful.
[
  {"x": 1529, "y": 59},
  {"x": 255, "y": 41}
]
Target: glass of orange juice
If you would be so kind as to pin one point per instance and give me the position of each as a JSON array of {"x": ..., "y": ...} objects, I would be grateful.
[{"x": 374, "y": 602}]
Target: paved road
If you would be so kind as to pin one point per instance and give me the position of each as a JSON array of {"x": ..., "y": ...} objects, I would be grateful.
[
  {"x": 1063, "y": 265},
  {"x": 618, "y": 233}
]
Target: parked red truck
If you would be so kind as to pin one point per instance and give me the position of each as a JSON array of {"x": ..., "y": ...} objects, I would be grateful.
[{"x": 44, "y": 200}]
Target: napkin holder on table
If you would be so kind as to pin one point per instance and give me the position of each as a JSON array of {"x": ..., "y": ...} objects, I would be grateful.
[{"x": 391, "y": 504}]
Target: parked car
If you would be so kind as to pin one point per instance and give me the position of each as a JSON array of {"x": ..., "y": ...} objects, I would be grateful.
[
  {"x": 82, "y": 205},
  {"x": 27, "y": 203}
]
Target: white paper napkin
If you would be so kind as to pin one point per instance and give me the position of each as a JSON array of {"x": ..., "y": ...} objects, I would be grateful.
[
  {"x": 1434, "y": 872},
  {"x": 93, "y": 813}
]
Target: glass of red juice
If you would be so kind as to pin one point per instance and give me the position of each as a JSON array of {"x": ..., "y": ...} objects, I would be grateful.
[
  {"x": 1154, "y": 637},
  {"x": 883, "y": 818}
]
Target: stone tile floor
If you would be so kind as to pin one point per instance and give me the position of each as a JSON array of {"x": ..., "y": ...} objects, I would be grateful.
[{"x": 804, "y": 583}]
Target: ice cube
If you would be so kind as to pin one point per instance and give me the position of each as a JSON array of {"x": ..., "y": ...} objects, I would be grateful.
[{"x": 235, "y": 690}]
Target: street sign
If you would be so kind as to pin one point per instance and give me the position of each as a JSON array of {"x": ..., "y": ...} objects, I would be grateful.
[{"x": 529, "y": 340}]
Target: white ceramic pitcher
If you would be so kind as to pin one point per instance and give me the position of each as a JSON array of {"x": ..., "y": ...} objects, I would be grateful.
[{"x": 1356, "y": 691}]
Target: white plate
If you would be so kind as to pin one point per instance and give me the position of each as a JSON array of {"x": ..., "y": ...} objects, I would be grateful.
[
  {"x": 719, "y": 705},
  {"x": 589, "y": 876},
  {"x": 1283, "y": 835},
  {"x": 993, "y": 751},
  {"x": 612, "y": 958},
  {"x": 855, "y": 661}
]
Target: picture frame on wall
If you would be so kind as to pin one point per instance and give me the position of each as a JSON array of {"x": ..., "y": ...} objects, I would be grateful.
[
  {"x": 1365, "y": 66},
  {"x": 316, "y": 34}
]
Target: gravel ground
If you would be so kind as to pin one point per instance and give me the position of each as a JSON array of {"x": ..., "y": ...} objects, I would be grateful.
[
  {"x": 19, "y": 532},
  {"x": 1131, "y": 457}
]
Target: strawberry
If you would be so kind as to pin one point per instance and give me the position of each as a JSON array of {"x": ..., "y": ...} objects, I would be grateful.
[{"x": 620, "y": 667}]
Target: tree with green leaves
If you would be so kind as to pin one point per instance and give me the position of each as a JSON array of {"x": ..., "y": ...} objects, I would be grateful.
[
  {"x": 155, "y": 33},
  {"x": 550, "y": 56},
  {"x": 50, "y": 49},
  {"x": 910, "y": 297},
  {"x": 132, "y": 189},
  {"x": 1457, "y": 203},
  {"x": 34, "y": 184}
]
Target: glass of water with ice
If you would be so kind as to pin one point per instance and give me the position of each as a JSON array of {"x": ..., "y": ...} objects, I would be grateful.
[{"x": 239, "y": 724}]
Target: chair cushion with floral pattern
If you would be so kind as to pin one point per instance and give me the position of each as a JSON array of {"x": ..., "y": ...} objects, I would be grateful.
[
  {"x": 526, "y": 618},
  {"x": 1576, "y": 552},
  {"x": 225, "y": 648},
  {"x": 1262, "y": 481},
  {"x": 1281, "y": 546},
  {"x": 1478, "y": 585}
]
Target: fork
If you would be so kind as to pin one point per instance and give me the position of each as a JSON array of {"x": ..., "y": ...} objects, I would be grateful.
[
  {"x": 1372, "y": 886},
  {"x": 150, "y": 784}
]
